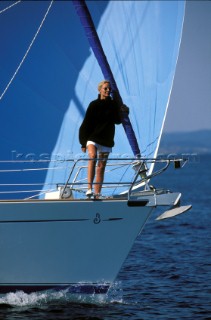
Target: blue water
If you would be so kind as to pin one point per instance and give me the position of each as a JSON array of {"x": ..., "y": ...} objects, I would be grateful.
[{"x": 167, "y": 274}]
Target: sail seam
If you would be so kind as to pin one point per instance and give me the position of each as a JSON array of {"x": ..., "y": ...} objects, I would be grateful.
[
  {"x": 9, "y": 7},
  {"x": 27, "y": 51}
]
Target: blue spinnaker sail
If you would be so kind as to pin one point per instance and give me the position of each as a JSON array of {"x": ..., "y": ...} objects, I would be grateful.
[{"x": 46, "y": 102}]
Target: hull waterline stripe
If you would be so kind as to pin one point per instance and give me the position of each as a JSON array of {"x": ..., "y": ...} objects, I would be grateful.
[
  {"x": 38, "y": 221},
  {"x": 60, "y": 220}
]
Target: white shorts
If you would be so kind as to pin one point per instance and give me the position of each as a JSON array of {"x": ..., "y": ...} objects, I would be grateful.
[{"x": 99, "y": 147}]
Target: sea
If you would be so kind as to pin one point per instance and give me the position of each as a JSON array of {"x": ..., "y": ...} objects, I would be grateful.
[{"x": 167, "y": 274}]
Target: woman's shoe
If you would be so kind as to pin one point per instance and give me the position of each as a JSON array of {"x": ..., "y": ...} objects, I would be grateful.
[
  {"x": 97, "y": 196},
  {"x": 89, "y": 193}
]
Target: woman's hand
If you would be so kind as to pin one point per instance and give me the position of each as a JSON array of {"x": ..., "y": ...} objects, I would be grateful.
[{"x": 124, "y": 108}]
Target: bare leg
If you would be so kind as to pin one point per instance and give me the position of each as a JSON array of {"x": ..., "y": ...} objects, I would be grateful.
[
  {"x": 100, "y": 171},
  {"x": 92, "y": 151}
]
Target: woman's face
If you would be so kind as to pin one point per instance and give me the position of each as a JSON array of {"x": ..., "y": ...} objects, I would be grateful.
[{"x": 105, "y": 90}]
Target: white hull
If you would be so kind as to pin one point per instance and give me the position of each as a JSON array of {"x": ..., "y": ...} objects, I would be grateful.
[{"x": 54, "y": 244}]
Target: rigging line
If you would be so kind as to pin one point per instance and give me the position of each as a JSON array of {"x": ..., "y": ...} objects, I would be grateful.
[
  {"x": 27, "y": 51},
  {"x": 12, "y": 5},
  {"x": 35, "y": 161},
  {"x": 19, "y": 191},
  {"x": 25, "y": 184},
  {"x": 25, "y": 170},
  {"x": 39, "y": 194}
]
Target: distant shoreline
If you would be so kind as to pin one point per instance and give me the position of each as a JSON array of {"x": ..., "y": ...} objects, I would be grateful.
[{"x": 186, "y": 142}]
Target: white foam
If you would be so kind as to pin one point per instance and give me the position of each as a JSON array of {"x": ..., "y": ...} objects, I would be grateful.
[{"x": 22, "y": 299}]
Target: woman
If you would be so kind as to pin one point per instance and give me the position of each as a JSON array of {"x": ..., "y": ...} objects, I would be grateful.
[{"x": 96, "y": 134}]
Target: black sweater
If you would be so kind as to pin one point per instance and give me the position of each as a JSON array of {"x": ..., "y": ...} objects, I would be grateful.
[{"x": 99, "y": 122}]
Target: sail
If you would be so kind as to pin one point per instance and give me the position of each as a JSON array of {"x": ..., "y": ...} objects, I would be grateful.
[{"x": 46, "y": 101}]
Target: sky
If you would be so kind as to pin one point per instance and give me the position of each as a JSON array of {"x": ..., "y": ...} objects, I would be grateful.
[{"x": 190, "y": 102}]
